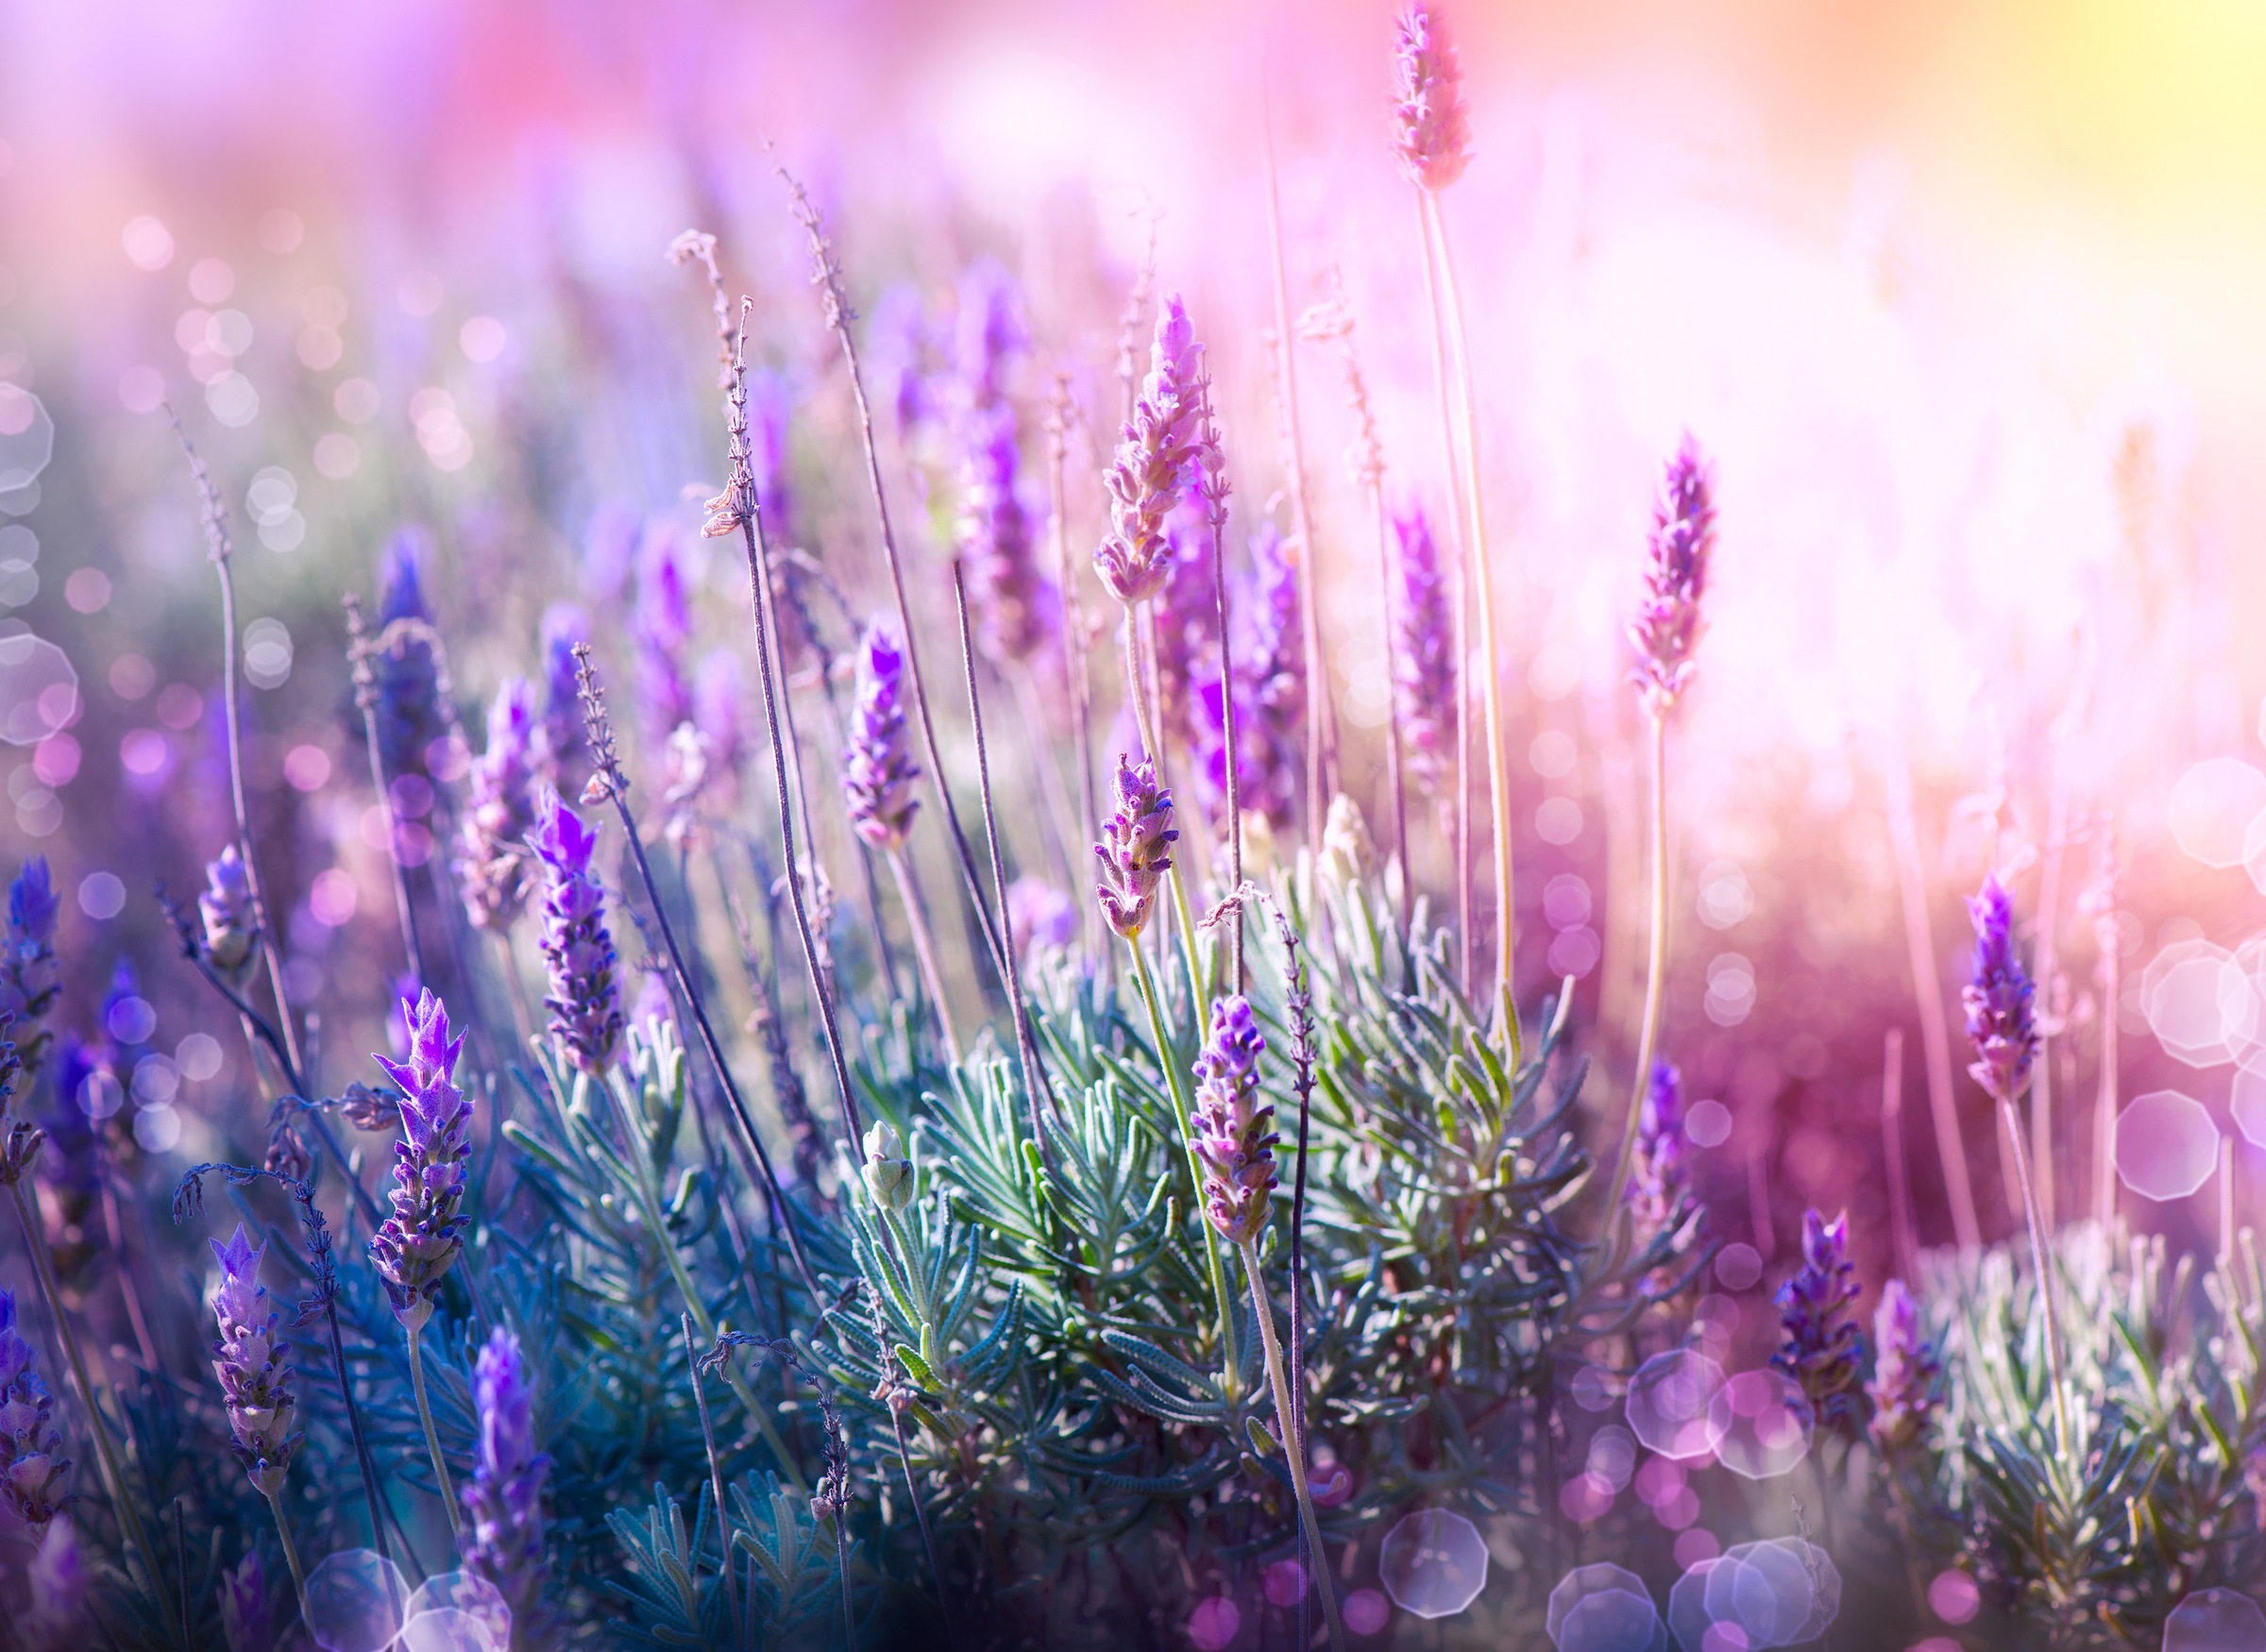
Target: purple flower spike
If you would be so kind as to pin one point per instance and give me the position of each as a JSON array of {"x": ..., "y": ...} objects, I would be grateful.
[
  {"x": 1014, "y": 602},
  {"x": 30, "y": 975},
  {"x": 1136, "y": 848},
  {"x": 33, "y": 1469},
  {"x": 989, "y": 330},
  {"x": 578, "y": 950},
  {"x": 2002, "y": 1021},
  {"x": 770, "y": 409},
  {"x": 254, "y": 1367},
  {"x": 1430, "y": 131},
  {"x": 1270, "y": 693},
  {"x": 1904, "y": 1370},
  {"x": 661, "y": 625},
  {"x": 231, "y": 927},
  {"x": 492, "y": 860},
  {"x": 878, "y": 771},
  {"x": 1658, "y": 1173},
  {"x": 1233, "y": 1139},
  {"x": 56, "y": 1617},
  {"x": 1155, "y": 460},
  {"x": 244, "y": 1616},
  {"x": 1825, "y": 1351},
  {"x": 416, "y": 1245},
  {"x": 1666, "y": 628},
  {"x": 410, "y": 715},
  {"x": 505, "y": 1502},
  {"x": 1423, "y": 654},
  {"x": 563, "y": 626}
]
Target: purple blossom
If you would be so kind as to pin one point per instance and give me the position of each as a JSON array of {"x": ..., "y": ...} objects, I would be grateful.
[
  {"x": 1424, "y": 650},
  {"x": 2002, "y": 1022},
  {"x": 988, "y": 333},
  {"x": 1154, "y": 467},
  {"x": 1825, "y": 1351},
  {"x": 1668, "y": 624},
  {"x": 416, "y": 1245},
  {"x": 30, "y": 975},
  {"x": 878, "y": 771},
  {"x": 1904, "y": 1370},
  {"x": 231, "y": 919},
  {"x": 492, "y": 860},
  {"x": 1658, "y": 1173},
  {"x": 770, "y": 409},
  {"x": 577, "y": 952},
  {"x": 563, "y": 626},
  {"x": 254, "y": 1367},
  {"x": 245, "y": 1617},
  {"x": 55, "y": 1618},
  {"x": 32, "y": 1465},
  {"x": 1185, "y": 620},
  {"x": 901, "y": 351},
  {"x": 1430, "y": 131},
  {"x": 719, "y": 693},
  {"x": 1014, "y": 602},
  {"x": 503, "y": 1506},
  {"x": 1233, "y": 1138},
  {"x": 1270, "y": 693},
  {"x": 1039, "y": 915},
  {"x": 409, "y": 714},
  {"x": 1136, "y": 848},
  {"x": 661, "y": 625}
]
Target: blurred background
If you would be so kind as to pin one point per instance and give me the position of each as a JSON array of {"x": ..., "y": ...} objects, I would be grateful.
[{"x": 1960, "y": 296}]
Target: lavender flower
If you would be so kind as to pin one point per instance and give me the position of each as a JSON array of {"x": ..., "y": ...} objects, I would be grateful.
[
  {"x": 901, "y": 350},
  {"x": 989, "y": 332},
  {"x": 661, "y": 625},
  {"x": 878, "y": 771},
  {"x": 254, "y": 1367},
  {"x": 55, "y": 1616},
  {"x": 886, "y": 1172},
  {"x": 1155, "y": 460},
  {"x": 1184, "y": 618},
  {"x": 1658, "y": 1173},
  {"x": 684, "y": 768},
  {"x": 718, "y": 692},
  {"x": 231, "y": 923},
  {"x": 505, "y": 1502},
  {"x": 1233, "y": 1139},
  {"x": 1040, "y": 916},
  {"x": 30, "y": 976},
  {"x": 1423, "y": 651},
  {"x": 770, "y": 407},
  {"x": 2002, "y": 1021},
  {"x": 244, "y": 1616},
  {"x": 578, "y": 950},
  {"x": 1666, "y": 628},
  {"x": 563, "y": 626},
  {"x": 1136, "y": 846},
  {"x": 1014, "y": 602},
  {"x": 32, "y": 1464},
  {"x": 1430, "y": 131},
  {"x": 492, "y": 861},
  {"x": 1902, "y": 1389},
  {"x": 1270, "y": 693},
  {"x": 409, "y": 714},
  {"x": 1825, "y": 1351},
  {"x": 416, "y": 1245}
]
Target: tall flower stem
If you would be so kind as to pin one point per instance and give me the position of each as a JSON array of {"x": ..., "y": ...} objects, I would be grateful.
[
  {"x": 2043, "y": 1263},
  {"x": 1927, "y": 984},
  {"x": 1483, "y": 591},
  {"x": 924, "y": 951},
  {"x": 1232, "y": 1367},
  {"x": 716, "y": 1470},
  {"x": 433, "y": 1438},
  {"x": 365, "y": 696},
  {"x": 1286, "y": 1417},
  {"x": 1137, "y": 694},
  {"x": 291, "y": 1550},
  {"x": 1656, "y": 959}
]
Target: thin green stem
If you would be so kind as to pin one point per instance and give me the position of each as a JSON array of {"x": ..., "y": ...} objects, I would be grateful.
[
  {"x": 1232, "y": 1375},
  {"x": 1286, "y": 1421},
  {"x": 433, "y": 1438},
  {"x": 291, "y": 1550},
  {"x": 1656, "y": 954},
  {"x": 2045, "y": 1277}
]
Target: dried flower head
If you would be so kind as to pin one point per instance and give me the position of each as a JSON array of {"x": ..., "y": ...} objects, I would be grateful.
[
  {"x": 254, "y": 1367},
  {"x": 1430, "y": 131},
  {"x": 578, "y": 950},
  {"x": 1232, "y": 1124},
  {"x": 231, "y": 918},
  {"x": 1136, "y": 848},
  {"x": 493, "y": 862},
  {"x": 1825, "y": 1351},
  {"x": 1668, "y": 624},
  {"x": 2002, "y": 1021},
  {"x": 33, "y": 1469},
  {"x": 30, "y": 975},
  {"x": 416, "y": 1246},
  {"x": 1904, "y": 1373},
  {"x": 503, "y": 1506},
  {"x": 1424, "y": 650},
  {"x": 1155, "y": 465},
  {"x": 878, "y": 769},
  {"x": 1658, "y": 1172}
]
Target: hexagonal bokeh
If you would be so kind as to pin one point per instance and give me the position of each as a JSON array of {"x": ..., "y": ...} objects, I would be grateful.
[
  {"x": 2166, "y": 1145},
  {"x": 2216, "y": 1619},
  {"x": 2200, "y": 1003},
  {"x": 470, "y": 1597},
  {"x": 447, "y": 1628},
  {"x": 2250, "y": 1106},
  {"x": 355, "y": 1601},
  {"x": 1776, "y": 1592},
  {"x": 1764, "y": 1423},
  {"x": 1671, "y": 1402},
  {"x": 1433, "y": 1564},
  {"x": 39, "y": 689},
  {"x": 1603, "y": 1608},
  {"x": 2211, "y": 807},
  {"x": 26, "y": 438}
]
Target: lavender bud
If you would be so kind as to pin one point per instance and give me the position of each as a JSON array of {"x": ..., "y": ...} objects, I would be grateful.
[
  {"x": 564, "y": 739},
  {"x": 878, "y": 771},
  {"x": 1014, "y": 602},
  {"x": 32, "y": 1464},
  {"x": 578, "y": 950},
  {"x": 1823, "y": 1350},
  {"x": 1233, "y": 1139},
  {"x": 369, "y": 1109},
  {"x": 287, "y": 1153},
  {"x": 887, "y": 1172},
  {"x": 416, "y": 1246},
  {"x": 1153, "y": 469},
  {"x": 1430, "y": 131},
  {"x": 1423, "y": 651},
  {"x": 410, "y": 715},
  {"x": 1658, "y": 1172},
  {"x": 1134, "y": 849},
  {"x": 492, "y": 861},
  {"x": 254, "y": 1367},
  {"x": 1666, "y": 628},
  {"x": 244, "y": 1616},
  {"x": 231, "y": 925},
  {"x": 2002, "y": 1022},
  {"x": 30, "y": 976},
  {"x": 1904, "y": 1369},
  {"x": 503, "y": 1506}
]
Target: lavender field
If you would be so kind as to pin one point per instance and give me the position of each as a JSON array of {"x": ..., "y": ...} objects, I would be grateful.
[{"x": 1257, "y": 828}]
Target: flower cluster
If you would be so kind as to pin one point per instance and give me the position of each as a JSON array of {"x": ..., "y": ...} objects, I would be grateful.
[
  {"x": 2002, "y": 1021},
  {"x": 1904, "y": 1373},
  {"x": 30, "y": 975},
  {"x": 1156, "y": 458},
  {"x": 1233, "y": 1138},
  {"x": 1423, "y": 651},
  {"x": 1431, "y": 133},
  {"x": 1666, "y": 628},
  {"x": 229, "y": 915},
  {"x": 1825, "y": 1351},
  {"x": 878, "y": 771},
  {"x": 416, "y": 1245},
  {"x": 411, "y": 715},
  {"x": 254, "y": 1367},
  {"x": 1657, "y": 1173},
  {"x": 1136, "y": 848},
  {"x": 32, "y": 1464},
  {"x": 503, "y": 1506},
  {"x": 577, "y": 952},
  {"x": 492, "y": 859}
]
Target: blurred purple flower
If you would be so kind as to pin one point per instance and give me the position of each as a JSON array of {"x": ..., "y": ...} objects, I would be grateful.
[
  {"x": 1424, "y": 650},
  {"x": 878, "y": 771},
  {"x": 1039, "y": 915},
  {"x": 718, "y": 693},
  {"x": 1014, "y": 602},
  {"x": 901, "y": 350},
  {"x": 661, "y": 625},
  {"x": 1136, "y": 848},
  {"x": 1658, "y": 1173},
  {"x": 1668, "y": 624},
  {"x": 245, "y": 1617},
  {"x": 1185, "y": 619},
  {"x": 505, "y": 1502},
  {"x": 577, "y": 952},
  {"x": 1430, "y": 131},
  {"x": 55, "y": 1616},
  {"x": 30, "y": 975},
  {"x": 563, "y": 626},
  {"x": 609, "y": 548},
  {"x": 1823, "y": 1350},
  {"x": 770, "y": 412},
  {"x": 254, "y": 1367},
  {"x": 230, "y": 922},
  {"x": 2002, "y": 1022},
  {"x": 410, "y": 715},
  {"x": 1270, "y": 693},
  {"x": 1232, "y": 1120},
  {"x": 1904, "y": 1372},
  {"x": 32, "y": 1464},
  {"x": 492, "y": 854},
  {"x": 1153, "y": 469},
  {"x": 988, "y": 331},
  {"x": 416, "y": 1246}
]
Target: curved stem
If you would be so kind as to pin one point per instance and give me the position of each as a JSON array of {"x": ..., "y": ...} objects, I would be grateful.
[
  {"x": 924, "y": 951},
  {"x": 2045, "y": 1277},
  {"x": 1286, "y": 1420},
  {"x": 1656, "y": 954},
  {"x": 433, "y": 1438},
  {"x": 291, "y": 1550}
]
